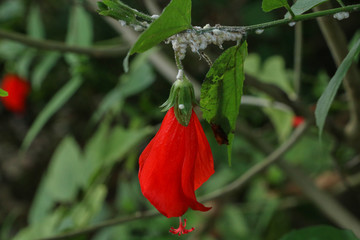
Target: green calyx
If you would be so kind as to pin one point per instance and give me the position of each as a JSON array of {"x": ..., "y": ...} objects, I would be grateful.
[{"x": 182, "y": 98}]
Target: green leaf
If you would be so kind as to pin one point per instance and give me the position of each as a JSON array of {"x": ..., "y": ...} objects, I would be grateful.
[
  {"x": 268, "y": 5},
  {"x": 35, "y": 26},
  {"x": 43, "y": 68},
  {"x": 80, "y": 32},
  {"x": 301, "y": 6},
  {"x": 11, "y": 9},
  {"x": 55, "y": 104},
  {"x": 326, "y": 99},
  {"x": 24, "y": 61},
  {"x": 352, "y": 42},
  {"x": 175, "y": 18},
  {"x": 3, "y": 93},
  {"x": 61, "y": 182},
  {"x": 94, "y": 152},
  {"x": 273, "y": 71},
  {"x": 110, "y": 145},
  {"x": 85, "y": 211},
  {"x": 320, "y": 233},
  {"x": 222, "y": 90},
  {"x": 119, "y": 11},
  {"x": 120, "y": 141},
  {"x": 63, "y": 178},
  {"x": 41, "y": 229},
  {"x": 80, "y": 27},
  {"x": 10, "y": 50}
]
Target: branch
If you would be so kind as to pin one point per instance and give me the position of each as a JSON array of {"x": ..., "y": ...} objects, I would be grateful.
[
  {"x": 326, "y": 203},
  {"x": 298, "y": 57},
  {"x": 249, "y": 174},
  {"x": 98, "y": 52},
  {"x": 303, "y": 17}
]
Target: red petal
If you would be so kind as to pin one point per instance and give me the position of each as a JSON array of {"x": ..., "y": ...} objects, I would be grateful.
[
  {"x": 167, "y": 167},
  {"x": 204, "y": 164},
  {"x": 189, "y": 166},
  {"x": 160, "y": 174}
]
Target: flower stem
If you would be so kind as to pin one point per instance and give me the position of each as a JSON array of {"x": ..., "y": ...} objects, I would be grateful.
[{"x": 178, "y": 61}]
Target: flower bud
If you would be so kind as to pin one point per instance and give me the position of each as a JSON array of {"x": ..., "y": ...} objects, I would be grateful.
[{"x": 182, "y": 98}]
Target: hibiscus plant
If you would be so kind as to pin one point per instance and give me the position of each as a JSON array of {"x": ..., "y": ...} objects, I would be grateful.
[{"x": 237, "y": 146}]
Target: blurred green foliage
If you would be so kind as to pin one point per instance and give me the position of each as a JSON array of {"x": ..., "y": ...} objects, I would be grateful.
[{"x": 87, "y": 122}]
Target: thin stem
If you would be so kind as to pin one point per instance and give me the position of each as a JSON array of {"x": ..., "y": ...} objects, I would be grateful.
[
  {"x": 290, "y": 11},
  {"x": 298, "y": 57},
  {"x": 108, "y": 223},
  {"x": 136, "y": 12},
  {"x": 100, "y": 52},
  {"x": 269, "y": 160},
  {"x": 178, "y": 61},
  {"x": 326, "y": 203},
  {"x": 303, "y": 17}
]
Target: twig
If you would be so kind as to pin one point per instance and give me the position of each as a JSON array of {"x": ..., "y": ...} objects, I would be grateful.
[
  {"x": 108, "y": 223},
  {"x": 303, "y": 17},
  {"x": 99, "y": 52},
  {"x": 327, "y": 204},
  {"x": 272, "y": 158},
  {"x": 298, "y": 57}
]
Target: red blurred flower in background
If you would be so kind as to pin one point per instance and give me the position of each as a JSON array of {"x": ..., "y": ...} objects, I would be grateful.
[
  {"x": 18, "y": 89},
  {"x": 176, "y": 162},
  {"x": 297, "y": 120}
]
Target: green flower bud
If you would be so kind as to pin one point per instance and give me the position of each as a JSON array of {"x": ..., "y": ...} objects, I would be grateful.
[{"x": 182, "y": 98}]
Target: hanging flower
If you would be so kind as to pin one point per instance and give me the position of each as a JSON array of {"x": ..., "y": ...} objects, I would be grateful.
[
  {"x": 177, "y": 161},
  {"x": 18, "y": 89}
]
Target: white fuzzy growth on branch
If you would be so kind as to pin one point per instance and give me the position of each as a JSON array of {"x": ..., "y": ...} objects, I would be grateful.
[{"x": 197, "y": 40}]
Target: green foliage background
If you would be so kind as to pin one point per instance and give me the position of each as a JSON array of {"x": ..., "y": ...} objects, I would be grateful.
[{"x": 70, "y": 161}]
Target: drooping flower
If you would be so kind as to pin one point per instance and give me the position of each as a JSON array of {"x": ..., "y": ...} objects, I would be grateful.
[
  {"x": 18, "y": 89},
  {"x": 176, "y": 162}
]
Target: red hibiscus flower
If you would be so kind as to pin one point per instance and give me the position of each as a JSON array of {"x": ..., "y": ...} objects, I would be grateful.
[
  {"x": 178, "y": 160},
  {"x": 18, "y": 89}
]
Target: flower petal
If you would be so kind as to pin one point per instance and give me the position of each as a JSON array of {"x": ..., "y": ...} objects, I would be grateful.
[
  {"x": 188, "y": 170},
  {"x": 160, "y": 171},
  {"x": 204, "y": 164},
  {"x": 170, "y": 163}
]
